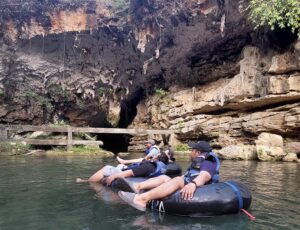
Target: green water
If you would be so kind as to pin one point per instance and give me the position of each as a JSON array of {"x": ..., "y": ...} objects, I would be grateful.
[{"x": 40, "y": 193}]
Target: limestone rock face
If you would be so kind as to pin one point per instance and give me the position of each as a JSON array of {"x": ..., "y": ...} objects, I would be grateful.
[
  {"x": 89, "y": 62},
  {"x": 234, "y": 111},
  {"x": 269, "y": 147},
  {"x": 284, "y": 63},
  {"x": 238, "y": 152}
]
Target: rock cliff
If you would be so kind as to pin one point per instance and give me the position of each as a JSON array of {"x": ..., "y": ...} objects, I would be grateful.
[{"x": 193, "y": 66}]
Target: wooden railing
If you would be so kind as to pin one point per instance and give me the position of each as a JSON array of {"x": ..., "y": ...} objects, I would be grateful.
[{"x": 70, "y": 130}]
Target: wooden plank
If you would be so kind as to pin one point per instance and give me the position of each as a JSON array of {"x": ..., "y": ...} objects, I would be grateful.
[
  {"x": 3, "y": 134},
  {"x": 27, "y": 128},
  {"x": 69, "y": 143},
  {"x": 42, "y": 142},
  {"x": 86, "y": 142},
  {"x": 57, "y": 142},
  {"x": 122, "y": 131}
]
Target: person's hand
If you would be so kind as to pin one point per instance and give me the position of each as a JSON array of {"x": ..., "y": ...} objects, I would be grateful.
[
  {"x": 187, "y": 192},
  {"x": 110, "y": 179}
]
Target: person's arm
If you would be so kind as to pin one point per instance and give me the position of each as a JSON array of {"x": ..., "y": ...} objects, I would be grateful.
[
  {"x": 188, "y": 190},
  {"x": 126, "y": 173},
  {"x": 152, "y": 154}
]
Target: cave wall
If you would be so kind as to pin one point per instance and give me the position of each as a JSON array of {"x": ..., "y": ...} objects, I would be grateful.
[{"x": 84, "y": 61}]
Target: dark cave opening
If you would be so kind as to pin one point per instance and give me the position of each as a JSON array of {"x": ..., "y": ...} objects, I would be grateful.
[
  {"x": 119, "y": 142},
  {"x": 128, "y": 107}
]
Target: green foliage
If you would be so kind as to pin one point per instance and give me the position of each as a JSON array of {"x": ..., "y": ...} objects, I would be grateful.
[
  {"x": 58, "y": 93},
  {"x": 161, "y": 93},
  {"x": 42, "y": 100},
  {"x": 102, "y": 91},
  {"x": 84, "y": 136},
  {"x": 182, "y": 147},
  {"x": 88, "y": 149},
  {"x": 271, "y": 13},
  {"x": 179, "y": 126},
  {"x": 14, "y": 148},
  {"x": 59, "y": 123},
  {"x": 1, "y": 93}
]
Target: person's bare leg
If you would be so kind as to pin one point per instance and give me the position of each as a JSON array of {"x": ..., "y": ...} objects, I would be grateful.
[
  {"x": 161, "y": 191},
  {"x": 132, "y": 161},
  {"x": 121, "y": 161},
  {"x": 79, "y": 180},
  {"x": 151, "y": 183},
  {"x": 96, "y": 177}
]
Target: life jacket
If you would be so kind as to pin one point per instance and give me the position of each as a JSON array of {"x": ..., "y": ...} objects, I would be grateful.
[
  {"x": 194, "y": 168},
  {"x": 161, "y": 168},
  {"x": 147, "y": 151}
]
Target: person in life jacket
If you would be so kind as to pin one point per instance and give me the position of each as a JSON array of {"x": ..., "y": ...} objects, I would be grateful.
[
  {"x": 152, "y": 151},
  {"x": 204, "y": 166},
  {"x": 146, "y": 168}
]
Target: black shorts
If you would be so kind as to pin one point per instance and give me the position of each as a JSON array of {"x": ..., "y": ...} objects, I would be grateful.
[{"x": 144, "y": 169}]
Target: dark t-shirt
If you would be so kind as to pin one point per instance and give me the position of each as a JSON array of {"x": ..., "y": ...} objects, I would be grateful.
[
  {"x": 208, "y": 166},
  {"x": 144, "y": 169}
]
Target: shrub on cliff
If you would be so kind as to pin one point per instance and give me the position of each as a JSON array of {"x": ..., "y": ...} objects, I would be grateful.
[{"x": 272, "y": 13}]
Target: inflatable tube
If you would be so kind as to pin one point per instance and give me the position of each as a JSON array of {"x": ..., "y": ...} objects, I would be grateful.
[
  {"x": 173, "y": 169},
  {"x": 119, "y": 186},
  {"x": 209, "y": 200}
]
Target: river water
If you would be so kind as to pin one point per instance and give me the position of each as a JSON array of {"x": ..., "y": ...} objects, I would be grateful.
[{"x": 41, "y": 193}]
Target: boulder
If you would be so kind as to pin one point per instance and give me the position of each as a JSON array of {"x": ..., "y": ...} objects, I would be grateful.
[
  {"x": 269, "y": 147},
  {"x": 291, "y": 157},
  {"x": 284, "y": 63},
  {"x": 292, "y": 147},
  {"x": 238, "y": 152}
]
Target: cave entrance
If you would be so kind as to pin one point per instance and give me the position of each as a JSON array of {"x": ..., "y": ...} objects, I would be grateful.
[
  {"x": 119, "y": 142},
  {"x": 115, "y": 142}
]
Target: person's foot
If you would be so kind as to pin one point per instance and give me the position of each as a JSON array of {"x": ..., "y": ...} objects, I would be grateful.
[
  {"x": 131, "y": 199},
  {"x": 128, "y": 185},
  {"x": 79, "y": 180},
  {"x": 120, "y": 160}
]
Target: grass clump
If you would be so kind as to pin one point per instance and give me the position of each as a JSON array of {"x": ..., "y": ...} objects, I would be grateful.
[{"x": 86, "y": 149}]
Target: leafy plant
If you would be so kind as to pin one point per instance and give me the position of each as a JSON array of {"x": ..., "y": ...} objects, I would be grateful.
[
  {"x": 101, "y": 91},
  {"x": 182, "y": 147},
  {"x": 59, "y": 123},
  {"x": 42, "y": 100},
  {"x": 161, "y": 92},
  {"x": 272, "y": 13},
  {"x": 179, "y": 126},
  {"x": 84, "y": 136}
]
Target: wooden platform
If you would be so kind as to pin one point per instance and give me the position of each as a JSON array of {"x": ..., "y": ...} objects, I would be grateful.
[{"x": 70, "y": 130}]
